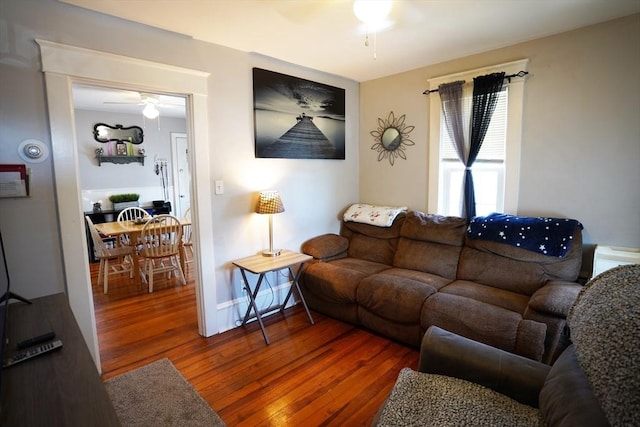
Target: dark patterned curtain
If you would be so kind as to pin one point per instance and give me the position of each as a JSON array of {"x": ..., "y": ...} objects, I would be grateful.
[
  {"x": 451, "y": 99},
  {"x": 486, "y": 90}
]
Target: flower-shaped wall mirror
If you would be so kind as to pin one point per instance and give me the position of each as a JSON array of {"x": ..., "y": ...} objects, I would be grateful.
[{"x": 392, "y": 138}]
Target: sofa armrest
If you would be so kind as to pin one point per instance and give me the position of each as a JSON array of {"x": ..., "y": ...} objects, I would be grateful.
[
  {"x": 326, "y": 247},
  {"x": 556, "y": 297},
  {"x": 446, "y": 353}
]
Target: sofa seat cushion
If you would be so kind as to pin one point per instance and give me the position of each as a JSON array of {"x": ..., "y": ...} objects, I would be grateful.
[
  {"x": 494, "y": 296},
  {"x": 486, "y": 323},
  {"x": 432, "y": 280},
  {"x": 337, "y": 281},
  {"x": 361, "y": 265},
  {"x": 419, "y": 399},
  {"x": 393, "y": 297}
]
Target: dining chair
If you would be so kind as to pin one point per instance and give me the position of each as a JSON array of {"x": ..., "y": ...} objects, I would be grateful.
[
  {"x": 113, "y": 260},
  {"x": 187, "y": 239},
  {"x": 162, "y": 235},
  {"x": 130, "y": 214}
]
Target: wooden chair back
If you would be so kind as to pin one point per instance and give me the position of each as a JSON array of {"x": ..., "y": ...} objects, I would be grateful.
[
  {"x": 186, "y": 230},
  {"x": 162, "y": 237},
  {"x": 132, "y": 213},
  {"x": 100, "y": 248}
]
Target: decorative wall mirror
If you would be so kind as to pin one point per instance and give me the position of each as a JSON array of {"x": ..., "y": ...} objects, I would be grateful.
[
  {"x": 392, "y": 138},
  {"x": 105, "y": 133}
]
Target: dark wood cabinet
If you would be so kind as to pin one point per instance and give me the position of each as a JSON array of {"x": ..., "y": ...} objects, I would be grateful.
[{"x": 59, "y": 388}]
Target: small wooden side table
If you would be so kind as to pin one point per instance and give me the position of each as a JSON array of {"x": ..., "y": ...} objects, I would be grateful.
[{"x": 261, "y": 265}]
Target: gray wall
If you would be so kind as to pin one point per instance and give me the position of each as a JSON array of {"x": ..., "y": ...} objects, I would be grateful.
[
  {"x": 313, "y": 191},
  {"x": 581, "y": 145},
  {"x": 581, "y": 133}
]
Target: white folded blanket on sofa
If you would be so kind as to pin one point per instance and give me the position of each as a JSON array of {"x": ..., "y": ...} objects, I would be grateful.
[{"x": 381, "y": 216}]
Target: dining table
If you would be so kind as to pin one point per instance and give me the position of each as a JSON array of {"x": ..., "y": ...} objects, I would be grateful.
[{"x": 134, "y": 230}]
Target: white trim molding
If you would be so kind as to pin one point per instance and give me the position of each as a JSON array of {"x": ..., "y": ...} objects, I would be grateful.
[
  {"x": 65, "y": 66},
  {"x": 514, "y": 132}
]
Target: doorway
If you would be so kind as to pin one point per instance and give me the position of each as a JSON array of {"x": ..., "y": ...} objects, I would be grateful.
[
  {"x": 65, "y": 65},
  {"x": 181, "y": 173},
  {"x": 98, "y": 180}
]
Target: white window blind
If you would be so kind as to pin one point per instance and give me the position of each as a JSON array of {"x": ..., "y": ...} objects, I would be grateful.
[{"x": 493, "y": 146}]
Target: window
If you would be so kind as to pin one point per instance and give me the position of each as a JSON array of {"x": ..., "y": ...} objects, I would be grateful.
[
  {"x": 496, "y": 172},
  {"x": 488, "y": 169}
]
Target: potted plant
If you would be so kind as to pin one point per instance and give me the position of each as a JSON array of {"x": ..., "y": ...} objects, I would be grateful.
[{"x": 121, "y": 201}]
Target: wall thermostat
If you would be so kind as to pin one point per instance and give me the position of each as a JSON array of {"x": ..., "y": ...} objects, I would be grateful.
[{"x": 33, "y": 151}]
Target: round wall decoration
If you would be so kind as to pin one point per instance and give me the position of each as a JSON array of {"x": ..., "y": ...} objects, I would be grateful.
[{"x": 392, "y": 138}]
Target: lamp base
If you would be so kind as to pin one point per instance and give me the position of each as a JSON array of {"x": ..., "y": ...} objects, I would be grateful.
[{"x": 274, "y": 252}]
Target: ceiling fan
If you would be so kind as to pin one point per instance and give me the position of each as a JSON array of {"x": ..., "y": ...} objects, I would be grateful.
[
  {"x": 150, "y": 101},
  {"x": 371, "y": 16},
  {"x": 381, "y": 14}
]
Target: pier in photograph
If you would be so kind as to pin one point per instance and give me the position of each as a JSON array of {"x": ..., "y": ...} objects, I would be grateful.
[{"x": 303, "y": 140}]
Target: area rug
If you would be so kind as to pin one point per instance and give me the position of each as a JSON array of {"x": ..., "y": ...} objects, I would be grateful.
[{"x": 158, "y": 395}]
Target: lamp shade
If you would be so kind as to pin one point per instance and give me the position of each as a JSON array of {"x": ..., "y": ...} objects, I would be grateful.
[{"x": 269, "y": 202}]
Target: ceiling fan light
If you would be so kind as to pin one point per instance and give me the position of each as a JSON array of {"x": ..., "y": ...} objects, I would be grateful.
[
  {"x": 372, "y": 12},
  {"x": 150, "y": 111}
]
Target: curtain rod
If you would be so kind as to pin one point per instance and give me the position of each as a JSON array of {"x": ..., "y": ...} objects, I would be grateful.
[{"x": 509, "y": 77}]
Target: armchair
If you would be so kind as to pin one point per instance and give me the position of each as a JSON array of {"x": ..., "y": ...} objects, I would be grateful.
[{"x": 594, "y": 382}]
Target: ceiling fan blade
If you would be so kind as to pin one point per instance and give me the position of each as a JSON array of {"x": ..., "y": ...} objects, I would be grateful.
[
  {"x": 123, "y": 102},
  {"x": 303, "y": 11},
  {"x": 170, "y": 105}
]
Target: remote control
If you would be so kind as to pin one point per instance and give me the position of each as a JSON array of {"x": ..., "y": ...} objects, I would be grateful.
[
  {"x": 23, "y": 355},
  {"x": 36, "y": 340}
]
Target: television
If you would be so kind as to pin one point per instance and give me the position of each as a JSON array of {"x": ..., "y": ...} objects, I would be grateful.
[
  {"x": 4, "y": 308},
  {"x": 5, "y": 296}
]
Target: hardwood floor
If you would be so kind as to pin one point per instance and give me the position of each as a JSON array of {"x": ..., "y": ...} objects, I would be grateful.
[{"x": 327, "y": 374}]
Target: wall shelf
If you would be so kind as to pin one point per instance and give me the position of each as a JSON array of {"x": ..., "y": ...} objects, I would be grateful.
[{"x": 120, "y": 160}]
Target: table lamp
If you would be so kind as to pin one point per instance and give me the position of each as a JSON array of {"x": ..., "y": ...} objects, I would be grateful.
[{"x": 270, "y": 203}]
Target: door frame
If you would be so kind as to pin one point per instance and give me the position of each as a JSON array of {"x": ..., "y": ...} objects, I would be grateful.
[{"x": 65, "y": 65}]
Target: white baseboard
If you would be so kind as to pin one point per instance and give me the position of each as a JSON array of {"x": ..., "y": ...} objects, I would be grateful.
[{"x": 231, "y": 313}]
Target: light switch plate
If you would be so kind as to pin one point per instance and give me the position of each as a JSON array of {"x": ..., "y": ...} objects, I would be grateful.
[{"x": 219, "y": 187}]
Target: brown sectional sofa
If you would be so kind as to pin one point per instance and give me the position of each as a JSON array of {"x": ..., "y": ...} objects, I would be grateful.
[{"x": 425, "y": 270}]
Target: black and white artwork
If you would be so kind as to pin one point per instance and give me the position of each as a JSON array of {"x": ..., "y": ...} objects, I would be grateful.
[{"x": 297, "y": 118}]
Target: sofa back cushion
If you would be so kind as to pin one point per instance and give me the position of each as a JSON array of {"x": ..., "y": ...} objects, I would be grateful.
[
  {"x": 430, "y": 243},
  {"x": 373, "y": 243},
  {"x": 515, "y": 269}
]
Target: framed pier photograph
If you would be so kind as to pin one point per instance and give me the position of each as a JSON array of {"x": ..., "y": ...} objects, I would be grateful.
[{"x": 296, "y": 118}]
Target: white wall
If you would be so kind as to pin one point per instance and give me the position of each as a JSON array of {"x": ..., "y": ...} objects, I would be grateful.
[
  {"x": 313, "y": 191},
  {"x": 581, "y": 136},
  {"x": 99, "y": 182}
]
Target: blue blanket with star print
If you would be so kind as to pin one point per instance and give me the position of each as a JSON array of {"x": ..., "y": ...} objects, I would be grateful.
[{"x": 547, "y": 236}]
